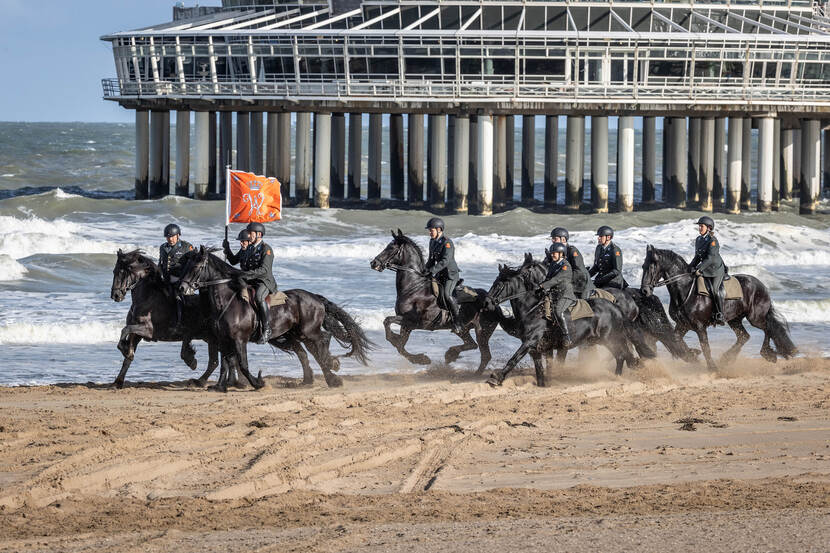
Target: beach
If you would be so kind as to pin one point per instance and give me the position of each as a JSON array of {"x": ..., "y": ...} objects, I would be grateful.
[{"x": 665, "y": 457}]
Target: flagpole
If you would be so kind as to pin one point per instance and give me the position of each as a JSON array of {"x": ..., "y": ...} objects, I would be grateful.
[{"x": 227, "y": 198}]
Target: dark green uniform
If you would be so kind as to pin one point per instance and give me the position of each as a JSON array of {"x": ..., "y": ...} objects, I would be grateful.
[
  {"x": 607, "y": 267},
  {"x": 559, "y": 284},
  {"x": 170, "y": 259},
  {"x": 583, "y": 287},
  {"x": 257, "y": 264},
  {"x": 441, "y": 264},
  {"x": 707, "y": 261}
]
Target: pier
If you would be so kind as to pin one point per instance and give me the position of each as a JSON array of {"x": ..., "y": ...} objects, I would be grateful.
[{"x": 453, "y": 78}]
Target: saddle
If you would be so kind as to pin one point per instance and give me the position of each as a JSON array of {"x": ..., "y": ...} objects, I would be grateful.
[
  {"x": 731, "y": 287},
  {"x": 605, "y": 295},
  {"x": 462, "y": 293},
  {"x": 580, "y": 310},
  {"x": 248, "y": 293}
]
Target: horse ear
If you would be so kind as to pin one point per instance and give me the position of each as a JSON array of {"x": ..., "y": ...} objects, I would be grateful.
[
  {"x": 649, "y": 248},
  {"x": 400, "y": 233},
  {"x": 120, "y": 253},
  {"x": 201, "y": 249}
]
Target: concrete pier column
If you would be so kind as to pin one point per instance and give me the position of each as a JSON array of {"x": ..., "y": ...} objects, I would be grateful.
[
  {"x": 599, "y": 164},
  {"x": 485, "y": 164},
  {"x": 272, "y": 141},
  {"x": 256, "y": 143},
  {"x": 355, "y": 155},
  {"x": 472, "y": 167},
  {"x": 303, "y": 165},
  {"x": 437, "y": 160},
  {"x": 719, "y": 171},
  {"x": 528, "y": 158},
  {"x": 396, "y": 159},
  {"x": 797, "y": 162},
  {"x": 574, "y": 161},
  {"x": 201, "y": 154},
  {"x": 810, "y": 165},
  {"x": 649, "y": 159},
  {"x": 678, "y": 163},
  {"x": 182, "y": 153},
  {"x": 499, "y": 161},
  {"x": 158, "y": 128},
  {"x": 666, "y": 162},
  {"x": 284, "y": 154},
  {"x": 225, "y": 147},
  {"x": 415, "y": 159},
  {"x": 625, "y": 163},
  {"x": 766, "y": 127},
  {"x": 551, "y": 160},
  {"x": 243, "y": 141},
  {"x": 375, "y": 157},
  {"x": 776, "y": 164},
  {"x": 734, "y": 165},
  {"x": 746, "y": 166},
  {"x": 706, "y": 177},
  {"x": 693, "y": 169},
  {"x": 212, "y": 138},
  {"x": 826, "y": 162},
  {"x": 509, "y": 158},
  {"x": 322, "y": 159},
  {"x": 786, "y": 169},
  {"x": 461, "y": 162},
  {"x": 338, "y": 155},
  {"x": 450, "y": 160},
  {"x": 165, "y": 155},
  {"x": 142, "y": 154}
]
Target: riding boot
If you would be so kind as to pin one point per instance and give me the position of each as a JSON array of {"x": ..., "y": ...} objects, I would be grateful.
[
  {"x": 563, "y": 326},
  {"x": 718, "y": 301},
  {"x": 265, "y": 324},
  {"x": 454, "y": 313}
]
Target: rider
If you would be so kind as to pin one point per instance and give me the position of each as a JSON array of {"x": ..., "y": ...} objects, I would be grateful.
[
  {"x": 708, "y": 263},
  {"x": 441, "y": 266},
  {"x": 256, "y": 259},
  {"x": 170, "y": 263},
  {"x": 608, "y": 261},
  {"x": 559, "y": 283},
  {"x": 583, "y": 287}
]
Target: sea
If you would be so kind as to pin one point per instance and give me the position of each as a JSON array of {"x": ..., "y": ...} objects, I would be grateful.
[{"x": 66, "y": 207}]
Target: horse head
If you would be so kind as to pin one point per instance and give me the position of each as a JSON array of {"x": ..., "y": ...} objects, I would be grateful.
[
  {"x": 401, "y": 251},
  {"x": 660, "y": 264},
  {"x": 130, "y": 268},
  {"x": 532, "y": 272},
  {"x": 507, "y": 283},
  {"x": 194, "y": 265}
]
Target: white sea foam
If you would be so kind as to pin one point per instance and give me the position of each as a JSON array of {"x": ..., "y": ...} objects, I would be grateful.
[
  {"x": 8, "y": 175},
  {"x": 85, "y": 332},
  {"x": 21, "y": 238},
  {"x": 10, "y": 269},
  {"x": 805, "y": 311}
]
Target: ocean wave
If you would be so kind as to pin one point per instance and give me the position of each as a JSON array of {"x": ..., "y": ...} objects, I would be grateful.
[
  {"x": 85, "y": 332},
  {"x": 21, "y": 238},
  {"x": 10, "y": 269},
  {"x": 805, "y": 311}
]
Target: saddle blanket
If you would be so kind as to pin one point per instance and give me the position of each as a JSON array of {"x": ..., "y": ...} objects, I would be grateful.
[
  {"x": 605, "y": 295},
  {"x": 463, "y": 294},
  {"x": 580, "y": 310},
  {"x": 731, "y": 287},
  {"x": 273, "y": 300}
]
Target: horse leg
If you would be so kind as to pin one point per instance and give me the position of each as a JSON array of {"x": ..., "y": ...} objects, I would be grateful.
[
  {"x": 453, "y": 353},
  {"x": 127, "y": 348},
  {"x": 539, "y": 365},
  {"x": 742, "y": 336},
  {"x": 703, "y": 337},
  {"x": 242, "y": 360},
  {"x": 497, "y": 378},
  {"x": 483, "y": 333},
  {"x": 227, "y": 362},
  {"x": 299, "y": 351},
  {"x": 188, "y": 355},
  {"x": 318, "y": 347},
  {"x": 213, "y": 362}
]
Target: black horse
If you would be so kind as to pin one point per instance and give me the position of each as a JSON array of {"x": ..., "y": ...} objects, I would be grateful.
[
  {"x": 540, "y": 336},
  {"x": 694, "y": 312},
  {"x": 152, "y": 315},
  {"x": 416, "y": 307},
  {"x": 305, "y": 318}
]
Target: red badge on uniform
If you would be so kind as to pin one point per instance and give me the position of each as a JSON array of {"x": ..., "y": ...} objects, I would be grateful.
[
  {"x": 448, "y": 244},
  {"x": 268, "y": 252},
  {"x": 564, "y": 267},
  {"x": 576, "y": 254},
  {"x": 713, "y": 243},
  {"x": 618, "y": 254}
]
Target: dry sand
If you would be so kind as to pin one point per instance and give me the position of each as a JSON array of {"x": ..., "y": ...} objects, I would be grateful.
[{"x": 437, "y": 461}]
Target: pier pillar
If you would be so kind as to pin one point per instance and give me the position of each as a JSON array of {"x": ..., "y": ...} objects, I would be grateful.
[
  {"x": 182, "y": 152},
  {"x": 256, "y": 143},
  {"x": 776, "y": 164},
  {"x": 375, "y": 157},
  {"x": 797, "y": 141},
  {"x": 355, "y": 155},
  {"x": 212, "y": 181},
  {"x": 826, "y": 162},
  {"x": 142, "y": 154},
  {"x": 450, "y": 160},
  {"x": 225, "y": 147},
  {"x": 338, "y": 155},
  {"x": 693, "y": 174},
  {"x": 243, "y": 141},
  {"x": 678, "y": 162},
  {"x": 787, "y": 150},
  {"x": 599, "y": 164},
  {"x": 649, "y": 159},
  {"x": 396, "y": 160},
  {"x": 509, "y": 158},
  {"x": 165, "y": 156},
  {"x": 574, "y": 161},
  {"x": 746, "y": 166},
  {"x": 415, "y": 159},
  {"x": 157, "y": 186},
  {"x": 625, "y": 164},
  {"x": 766, "y": 128},
  {"x": 284, "y": 154},
  {"x": 303, "y": 165},
  {"x": 272, "y": 142},
  {"x": 485, "y": 164},
  {"x": 528, "y": 158},
  {"x": 666, "y": 193},
  {"x": 706, "y": 177},
  {"x": 810, "y": 165},
  {"x": 472, "y": 167},
  {"x": 437, "y": 160},
  {"x": 322, "y": 159},
  {"x": 461, "y": 162},
  {"x": 201, "y": 154},
  {"x": 719, "y": 172},
  {"x": 551, "y": 159},
  {"x": 499, "y": 161},
  {"x": 734, "y": 153}
]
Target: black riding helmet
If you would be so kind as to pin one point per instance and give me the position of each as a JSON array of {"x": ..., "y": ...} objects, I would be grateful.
[
  {"x": 245, "y": 235},
  {"x": 172, "y": 230},
  {"x": 560, "y": 232},
  {"x": 256, "y": 227},
  {"x": 559, "y": 247},
  {"x": 706, "y": 221},
  {"x": 605, "y": 230},
  {"x": 435, "y": 222}
]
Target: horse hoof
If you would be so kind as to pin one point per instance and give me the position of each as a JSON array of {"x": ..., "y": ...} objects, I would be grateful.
[
  {"x": 769, "y": 355},
  {"x": 420, "y": 359},
  {"x": 117, "y": 385},
  {"x": 192, "y": 364},
  {"x": 335, "y": 364},
  {"x": 334, "y": 381},
  {"x": 307, "y": 382},
  {"x": 196, "y": 382},
  {"x": 494, "y": 381}
]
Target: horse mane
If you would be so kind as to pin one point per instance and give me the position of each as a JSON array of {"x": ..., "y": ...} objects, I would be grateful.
[
  {"x": 221, "y": 265},
  {"x": 140, "y": 255},
  {"x": 407, "y": 241}
]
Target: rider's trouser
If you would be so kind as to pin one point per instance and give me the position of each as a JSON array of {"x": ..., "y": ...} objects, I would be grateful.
[
  {"x": 715, "y": 293},
  {"x": 445, "y": 290}
]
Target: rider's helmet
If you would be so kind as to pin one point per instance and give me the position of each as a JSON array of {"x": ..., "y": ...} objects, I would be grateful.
[
  {"x": 559, "y": 247},
  {"x": 256, "y": 227},
  {"x": 706, "y": 221},
  {"x": 435, "y": 222},
  {"x": 172, "y": 230},
  {"x": 560, "y": 232},
  {"x": 245, "y": 235},
  {"x": 605, "y": 230}
]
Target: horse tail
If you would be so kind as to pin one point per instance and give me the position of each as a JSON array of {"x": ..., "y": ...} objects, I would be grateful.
[
  {"x": 347, "y": 331},
  {"x": 779, "y": 330}
]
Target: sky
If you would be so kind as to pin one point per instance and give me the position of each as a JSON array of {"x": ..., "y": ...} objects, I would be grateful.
[{"x": 52, "y": 59}]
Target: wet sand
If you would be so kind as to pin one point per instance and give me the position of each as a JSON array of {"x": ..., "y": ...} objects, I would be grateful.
[{"x": 668, "y": 457}]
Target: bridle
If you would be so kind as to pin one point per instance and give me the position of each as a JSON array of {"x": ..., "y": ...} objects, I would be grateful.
[{"x": 195, "y": 284}]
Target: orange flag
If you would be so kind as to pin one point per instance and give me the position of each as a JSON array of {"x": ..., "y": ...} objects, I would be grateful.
[{"x": 252, "y": 198}]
